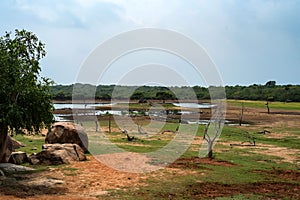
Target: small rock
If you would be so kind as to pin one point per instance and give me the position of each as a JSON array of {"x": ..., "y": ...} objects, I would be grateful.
[
  {"x": 1, "y": 173},
  {"x": 48, "y": 182},
  {"x": 18, "y": 158},
  {"x": 34, "y": 148}
]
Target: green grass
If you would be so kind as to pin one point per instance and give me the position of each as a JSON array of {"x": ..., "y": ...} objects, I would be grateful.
[
  {"x": 262, "y": 104},
  {"x": 33, "y": 144},
  {"x": 246, "y": 167}
]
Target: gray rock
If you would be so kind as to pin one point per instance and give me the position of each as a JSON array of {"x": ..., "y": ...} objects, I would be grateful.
[
  {"x": 12, "y": 168},
  {"x": 1, "y": 173},
  {"x": 54, "y": 154},
  {"x": 42, "y": 181},
  {"x": 67, "y": 132},
  {"x": 18, "y": 158}
]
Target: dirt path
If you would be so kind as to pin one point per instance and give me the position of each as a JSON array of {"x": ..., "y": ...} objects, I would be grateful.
[{"x": 80, "y": 180}]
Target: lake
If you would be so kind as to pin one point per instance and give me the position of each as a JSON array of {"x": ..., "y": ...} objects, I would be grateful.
[{"x": 62, "y": 117}]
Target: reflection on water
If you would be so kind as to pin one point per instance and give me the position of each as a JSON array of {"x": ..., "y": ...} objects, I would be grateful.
[
  {"x": 153, "y": 113},
  {"x": 194, "y": 105},
  {"x": 78, "y": 105}
]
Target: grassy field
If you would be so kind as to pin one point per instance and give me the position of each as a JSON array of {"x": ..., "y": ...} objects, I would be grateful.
[
  {"x": 236, "y": 172},
  {"x": 262, "y": 104},
  {"x": 239, "y": 170}
]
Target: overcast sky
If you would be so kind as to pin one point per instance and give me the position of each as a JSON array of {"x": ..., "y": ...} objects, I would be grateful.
[{"x": 249, "y": 41}]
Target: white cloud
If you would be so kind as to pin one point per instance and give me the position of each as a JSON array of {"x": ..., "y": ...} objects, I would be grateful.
[{"x": 247, "y": 35}]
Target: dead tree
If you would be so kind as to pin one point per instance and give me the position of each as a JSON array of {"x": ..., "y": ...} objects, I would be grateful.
[
  {"x": 109, "y": 123},
  {"x": 97, "y": 124},
  {"x": 211, "y": 134},
  {"x": 263, "y": 132},
  {"x": 140, "y": 130},
  {"x": 130, "y": 138},
  {"x": 171, "y": 131},
  {"x": 241, "y": 115},
  {"x": 250, "y": 139}
]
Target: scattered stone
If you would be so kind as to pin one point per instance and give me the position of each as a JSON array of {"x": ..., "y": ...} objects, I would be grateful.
[
  {"x": 12, "y": 168},
  {"x": 18, "y": 158},
  {"x": 55, "y": 154},
  {"x": 67, "y": 132}
]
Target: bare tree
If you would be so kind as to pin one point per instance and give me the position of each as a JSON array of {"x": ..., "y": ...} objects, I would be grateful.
[
  {"x": 109, "y": 123},
  {"x": 140, "y": 130},
  {"x": 241, "y": 115},
  {"x": 96, "y": 124},
  {"x": 212, "y": 131}
]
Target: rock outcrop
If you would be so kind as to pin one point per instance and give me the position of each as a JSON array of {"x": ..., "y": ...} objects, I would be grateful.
[
  {"x": 67, "y": 132},
  {"x": 55, "y": 154},
  {"x": 12, "y": 168}
]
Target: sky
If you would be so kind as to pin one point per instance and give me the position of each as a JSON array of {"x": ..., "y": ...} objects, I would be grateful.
[{"x": 249, "y": 41}]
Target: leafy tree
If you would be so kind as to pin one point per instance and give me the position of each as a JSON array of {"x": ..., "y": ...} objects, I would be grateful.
[
  {"x": 271, "y": 83},
  {"x": 137, "y": 95},
  {"x": 25, "y": 100},
  {"x": 165, "y": 96}
]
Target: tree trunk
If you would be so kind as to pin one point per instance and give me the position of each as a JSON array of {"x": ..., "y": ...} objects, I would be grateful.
[
  {"x": 109, "y": 123},
  {"x": 3, "y": 142},
  {"x": 267, "y": 104},
  {"x": 210, "y": 152},
  {"x": 241, "y": 115}
]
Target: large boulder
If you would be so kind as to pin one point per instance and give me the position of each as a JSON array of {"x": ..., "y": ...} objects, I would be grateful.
[
  {"x": 55, "y": 154},
  {"x": 67, "y": 132}
]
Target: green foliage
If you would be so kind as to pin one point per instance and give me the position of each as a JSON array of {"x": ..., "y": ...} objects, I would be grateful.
[
  {"x": 269, "y": 91},
  {"x": 25, "y": 99}
]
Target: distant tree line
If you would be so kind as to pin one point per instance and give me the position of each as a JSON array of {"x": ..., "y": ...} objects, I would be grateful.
[{"x": 267, "y": 92}]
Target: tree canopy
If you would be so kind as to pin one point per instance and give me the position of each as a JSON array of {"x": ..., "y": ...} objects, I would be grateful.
[
  {"x": 269, "y": 91},
  {"x": 25, "y": 99}
]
